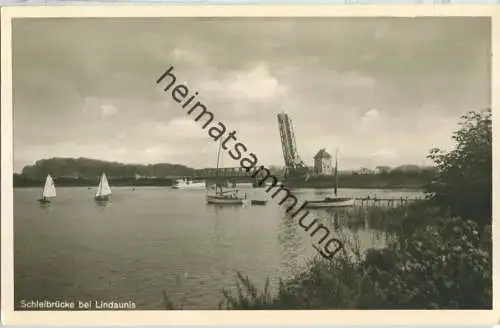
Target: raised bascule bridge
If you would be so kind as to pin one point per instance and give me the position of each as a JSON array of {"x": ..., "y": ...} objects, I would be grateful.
[{"x": 294, "y": 166}]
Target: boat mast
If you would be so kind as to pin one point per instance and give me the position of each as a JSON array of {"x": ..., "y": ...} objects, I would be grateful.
[
  {"x": 99, "y": 187},
  {"x": 336, "y": 172},
  {"x": 217, "y": 170}
]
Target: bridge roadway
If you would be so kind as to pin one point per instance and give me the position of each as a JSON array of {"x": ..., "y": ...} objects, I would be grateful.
[{"x": 237, "y": 174}]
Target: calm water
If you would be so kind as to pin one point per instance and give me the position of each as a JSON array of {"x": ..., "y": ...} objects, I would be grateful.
[{"x": 154, "y": 239}]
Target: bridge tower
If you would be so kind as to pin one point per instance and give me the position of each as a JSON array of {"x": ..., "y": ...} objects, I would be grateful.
[{"x": 293, "y": 162}]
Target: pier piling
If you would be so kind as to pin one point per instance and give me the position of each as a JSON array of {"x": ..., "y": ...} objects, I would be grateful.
[{"x": 384, "y": 202}]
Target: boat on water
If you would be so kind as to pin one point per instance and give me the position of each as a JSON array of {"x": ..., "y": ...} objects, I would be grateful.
[
  {"x": 335, "y": 201},
  {"x": 189, "y": 184},
  {"x": 229, "y": 197},
  {"x": 329, "y": 202},
  {"x": 258, "y": 202},
  {"x": 103, "y": 190},
  {"x": 49, "y": 191},
  {"x": 224, "y": 197}
]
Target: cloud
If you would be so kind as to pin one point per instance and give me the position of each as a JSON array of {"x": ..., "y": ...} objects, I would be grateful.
[
  {"x": 352, "y": 79},
  {"x": 256, "y": 84},
  {"x": 98, "y": 106},
  {"x": 152, "y": 151},
  {"x": 384, "y": 154},
  {"x": 380, "y": 32},
  {"x": 184, "y": 128},
  {"x": 108, "y": 110},
  {"x": 187, "y": 56},
  {"x": 370, "y": 120}
]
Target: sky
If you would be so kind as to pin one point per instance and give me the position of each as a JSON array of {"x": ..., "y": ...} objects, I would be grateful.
[{"x": 384, "y": 91}]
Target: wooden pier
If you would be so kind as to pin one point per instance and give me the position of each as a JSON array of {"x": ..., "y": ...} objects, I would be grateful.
[{"x": 384, "y": 202}]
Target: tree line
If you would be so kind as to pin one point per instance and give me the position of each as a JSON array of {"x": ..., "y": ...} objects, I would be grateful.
[{"x": 86, "y": 168}]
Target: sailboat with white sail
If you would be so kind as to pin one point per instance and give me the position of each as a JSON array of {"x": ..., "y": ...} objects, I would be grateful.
[
  {"x": 49, "y": 190},
  {"x": 335, "y": 201},
  {"x": 224, "y": 197},
  {"x": 103, "y": 190}
]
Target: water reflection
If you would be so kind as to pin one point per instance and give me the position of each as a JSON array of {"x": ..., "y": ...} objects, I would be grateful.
[
  {"x": 337, "y": 218},
  {"x": 172, "y": 240},
  {"x": 102, "y": 204},
  {"x": 45, "y": 206},
  {"x": 219, "y": 209},
  {"x": 353, "y": 227},
  {"x": 221, "y": 240},
  {"x": 289, "y": 239}
]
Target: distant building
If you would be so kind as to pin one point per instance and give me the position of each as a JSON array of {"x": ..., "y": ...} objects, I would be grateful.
[
  {"x": 382, "y": 169},
  {"x": 323, "y": 163},
  {"x": 365, "y": 171}
]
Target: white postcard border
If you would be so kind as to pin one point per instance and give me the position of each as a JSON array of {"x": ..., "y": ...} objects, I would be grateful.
[{"x": 223, "y": 317}]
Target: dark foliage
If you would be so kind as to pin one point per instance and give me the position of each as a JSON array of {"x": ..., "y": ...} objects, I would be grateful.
[
  {"x": 85, "y": 169},
  {"x": 463, "y": 185}
]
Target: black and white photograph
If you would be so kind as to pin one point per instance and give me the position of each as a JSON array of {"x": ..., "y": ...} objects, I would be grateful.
[{"x": 245, "y": 162}]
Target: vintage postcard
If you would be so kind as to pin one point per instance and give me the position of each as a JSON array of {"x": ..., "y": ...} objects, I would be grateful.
[{"x": 179, "y": 164}]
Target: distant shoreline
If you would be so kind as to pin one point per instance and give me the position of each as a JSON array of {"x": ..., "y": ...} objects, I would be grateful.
[
  {"x": 319, "y": 188},
  {"x": 85, "y": 172},
  {"x": 39, "y": 184}
]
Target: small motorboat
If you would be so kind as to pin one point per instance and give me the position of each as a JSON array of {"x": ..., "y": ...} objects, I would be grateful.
[
  {"x": 258, "y": 202},
  {"x": 189, "y": 184},
  {"x": 224, "y": 199}
]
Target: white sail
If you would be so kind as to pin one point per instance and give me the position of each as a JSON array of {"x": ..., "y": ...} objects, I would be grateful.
[
  {"x": 49, "y": 190},
  {"x": 103, "y": 189}
]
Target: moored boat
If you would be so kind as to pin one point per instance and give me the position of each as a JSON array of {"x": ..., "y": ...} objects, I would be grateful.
[
  {"x": 334, "y": 201},
  {"x": 331, "y": 202},
  {"x": 224, "y": 197}
]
